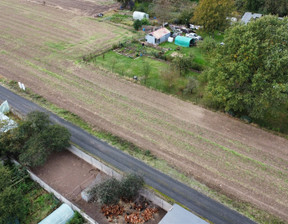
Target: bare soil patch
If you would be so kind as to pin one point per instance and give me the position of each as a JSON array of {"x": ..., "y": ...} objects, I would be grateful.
[
  {"x": 235, "y": 158},
  {"x": 80, "y": 7}
]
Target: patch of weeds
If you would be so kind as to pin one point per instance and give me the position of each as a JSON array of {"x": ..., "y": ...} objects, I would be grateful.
[
  {"x": 58, "y": 46},
  {"x": 77, "y": 219},
  {"x": 3, "y": 52}
]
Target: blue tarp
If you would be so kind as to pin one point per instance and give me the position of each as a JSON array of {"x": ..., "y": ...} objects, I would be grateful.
[{"x": 60, "y": 216}]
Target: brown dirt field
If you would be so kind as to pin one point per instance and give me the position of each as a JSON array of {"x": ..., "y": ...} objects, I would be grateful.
[
  {"x": 69, "y": 175},
  {"x": 40, "y": 47},
  {"x": 81, "y": 7}
]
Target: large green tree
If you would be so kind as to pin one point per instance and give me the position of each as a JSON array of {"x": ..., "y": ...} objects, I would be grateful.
[
  {"x": 34, "y": 139},
  {"x": 212, "y": 14},
  {"x": 250, "y": 72}
]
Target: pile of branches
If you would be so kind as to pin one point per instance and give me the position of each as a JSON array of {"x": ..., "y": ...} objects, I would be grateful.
[
  {"x": 141, "y": 217},
  {"x": 112, "y": 211}
]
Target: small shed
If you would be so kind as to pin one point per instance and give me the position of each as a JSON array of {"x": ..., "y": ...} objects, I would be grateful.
[
  {"x": 140, "y": 15},
  {"x": 184, "y": 41},
  {"x": 248, "y": 16},
  {"x": 177, "y": 214},
  {"x": 159, "y": 36},
  {"x": 60, "y": 216}
]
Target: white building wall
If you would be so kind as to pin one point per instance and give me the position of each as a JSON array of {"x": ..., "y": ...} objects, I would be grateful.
[
  {"x": 150, "y": 39},
  {"x": 164, "y": 38}
]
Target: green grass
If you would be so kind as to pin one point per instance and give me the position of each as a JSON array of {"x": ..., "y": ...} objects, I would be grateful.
[
  {"x": 58, "y": 46},
  {"x": 244, "y": 208},
  {"x": 41, "y": 204},
  {"x": 218, "y": 36},
  {"x": 130, "y": 67},
  {"x": 195, "y": 51}
]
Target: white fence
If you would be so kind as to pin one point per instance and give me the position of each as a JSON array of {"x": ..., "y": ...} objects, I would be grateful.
[{"x": 110, "y": 172}]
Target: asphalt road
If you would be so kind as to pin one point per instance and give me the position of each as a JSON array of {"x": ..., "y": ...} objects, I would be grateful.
[{"x": 197, "y": 202}]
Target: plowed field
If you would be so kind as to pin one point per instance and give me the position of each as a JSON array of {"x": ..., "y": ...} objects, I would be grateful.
[{"x": 40, "y": 45}]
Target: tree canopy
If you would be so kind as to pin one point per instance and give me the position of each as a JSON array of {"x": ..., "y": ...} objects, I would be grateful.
[
  {"x": 34, "y": 139},
  {"x": 279, "y": 7},
  {"x": 249, "y": 74},
  {"x": 211, "y": 14}
]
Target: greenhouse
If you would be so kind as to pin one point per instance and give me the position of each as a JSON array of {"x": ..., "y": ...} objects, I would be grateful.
[
  {"x": 184, "y": 41},
  {"x": 60, "y": 216}
]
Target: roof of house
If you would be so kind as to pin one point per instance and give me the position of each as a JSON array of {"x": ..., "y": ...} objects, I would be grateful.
[
  {"x": 177, "y": 214},
  {"x": 248, "y": 16},
  {"x": 160, "y": 33}
]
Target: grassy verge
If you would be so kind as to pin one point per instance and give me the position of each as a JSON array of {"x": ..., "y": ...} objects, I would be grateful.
[{"x": 244, "y": 208}]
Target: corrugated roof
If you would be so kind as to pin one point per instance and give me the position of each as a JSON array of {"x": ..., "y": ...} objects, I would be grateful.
[
  {"x": 160, "y": 33},
  {"x": 179, "y": 215},
  {"x": 248, "y": 16}
]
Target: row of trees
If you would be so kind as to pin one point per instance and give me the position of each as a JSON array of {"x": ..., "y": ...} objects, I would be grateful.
[
  {"x": 34, "y": 140},
  {"x": 275, "y": 7}
]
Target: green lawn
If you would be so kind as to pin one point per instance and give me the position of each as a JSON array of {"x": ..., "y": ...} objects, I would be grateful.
[{"x": 195, "y": 51}]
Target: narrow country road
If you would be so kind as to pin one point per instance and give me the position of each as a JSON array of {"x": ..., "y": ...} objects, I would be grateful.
[{"x": 197, "y": 202}]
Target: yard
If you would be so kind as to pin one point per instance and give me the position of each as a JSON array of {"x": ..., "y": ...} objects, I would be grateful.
[
  {"x": 132, "y": 59},
  {"x": 69, "y": 175}
]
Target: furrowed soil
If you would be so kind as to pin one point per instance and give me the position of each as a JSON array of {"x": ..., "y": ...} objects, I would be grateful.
[{"x": 40, "y": 46}]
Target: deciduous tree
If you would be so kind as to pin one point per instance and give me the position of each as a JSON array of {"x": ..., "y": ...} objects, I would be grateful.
[
  {"x": 250, "y": 72},
  {"x": 212, "y": 14}
]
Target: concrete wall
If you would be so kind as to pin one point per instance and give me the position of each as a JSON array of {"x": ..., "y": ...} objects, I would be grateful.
[
  {"x": 89, "y": 159},
  {"x": 60, "y": 197},
  {"x": 150, "y": 39},
  {"x": 110, "y": 172}
]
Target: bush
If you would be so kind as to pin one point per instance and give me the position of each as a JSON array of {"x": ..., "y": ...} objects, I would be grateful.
[
  {"x": 110, "y": 191},
  {"x": 196, "y": 66},
  {"x": 208, "y": 44},
  {"x": 77, "y": 219},
  {"x": 145, "y": 22},
  {"x": 130, "y": 186},
  {"x": 137, "y": 24},
  {"x": 107, "y": 192}
]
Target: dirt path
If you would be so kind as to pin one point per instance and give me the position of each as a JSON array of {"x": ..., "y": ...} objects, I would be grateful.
[{"x": 237, "y": 159}]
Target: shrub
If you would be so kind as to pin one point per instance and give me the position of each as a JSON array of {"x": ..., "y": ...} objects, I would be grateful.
[
  {"x": 197, "y": 66},
  {"x": 137, "y": 24},
  {"x": 208, "y": 44},
  {"x": 130, "y": 186},
  {"x": 145, "y": 22},
  {"x": 107, "y": 192},
  {"x": 77, "y": 219},
  {"x": 110, "y": 191}
]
